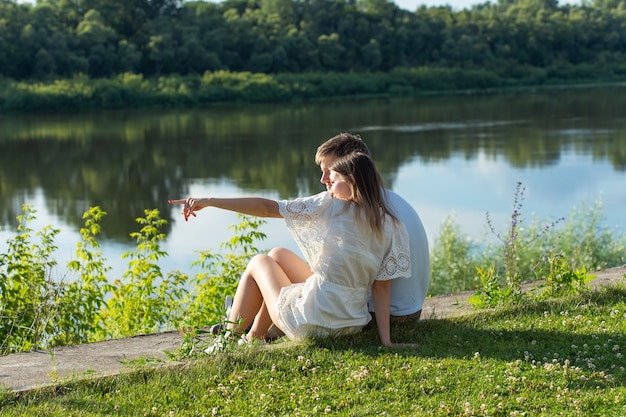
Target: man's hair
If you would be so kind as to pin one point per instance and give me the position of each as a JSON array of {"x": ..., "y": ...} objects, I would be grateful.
[{"x": 341, "y": 145}]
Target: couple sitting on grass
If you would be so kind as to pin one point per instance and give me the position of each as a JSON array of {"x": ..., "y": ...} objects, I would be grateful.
[{"x": 365, "y": 249}]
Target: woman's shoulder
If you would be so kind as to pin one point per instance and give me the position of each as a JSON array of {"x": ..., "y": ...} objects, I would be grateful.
[
  {"x": 304, "y": 205},
  {"x": 315, "y": 199}
]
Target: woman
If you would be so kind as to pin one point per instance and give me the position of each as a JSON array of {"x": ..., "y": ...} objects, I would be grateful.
[{"x": 349, "y": 239}]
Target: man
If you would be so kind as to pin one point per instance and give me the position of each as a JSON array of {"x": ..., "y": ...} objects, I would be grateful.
[{"x": 407, "y": 294}]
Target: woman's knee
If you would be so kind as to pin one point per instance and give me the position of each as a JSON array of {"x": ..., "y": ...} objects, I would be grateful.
[
  {"x": 259, "y": 260},
  {"x": 278, "y": 253},
  {"x": 287, "y": 258},
  {"x": 293, "y": 265}
]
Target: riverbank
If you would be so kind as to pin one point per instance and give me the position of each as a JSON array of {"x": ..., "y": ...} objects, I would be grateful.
[
  {"x": 27, "y": 371},
  {"x": 134, "y": 91}
]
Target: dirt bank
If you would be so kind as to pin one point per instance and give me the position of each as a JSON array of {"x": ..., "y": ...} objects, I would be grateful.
[{"x": 447, "y": 305}]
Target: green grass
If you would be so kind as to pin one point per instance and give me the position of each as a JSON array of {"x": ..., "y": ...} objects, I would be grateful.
[{"x": 546, "y": 358}]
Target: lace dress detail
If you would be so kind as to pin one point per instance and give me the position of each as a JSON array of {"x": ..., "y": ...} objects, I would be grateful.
[
  {"x": 396, "y": 265},
  {"x": 345, "y": 257}
]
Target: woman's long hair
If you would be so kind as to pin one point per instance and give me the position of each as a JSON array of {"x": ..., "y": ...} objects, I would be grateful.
[{"x": 367, "y": 187}]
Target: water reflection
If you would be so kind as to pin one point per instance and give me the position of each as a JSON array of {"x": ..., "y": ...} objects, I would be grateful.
[{"x": 444, "y": 154}]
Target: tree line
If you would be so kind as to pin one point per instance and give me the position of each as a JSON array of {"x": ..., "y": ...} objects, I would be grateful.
[{"x": 55, "y": 39}]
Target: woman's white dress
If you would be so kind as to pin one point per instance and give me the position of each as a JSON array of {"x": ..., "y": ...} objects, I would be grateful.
[{"x": 346, "y": 257}]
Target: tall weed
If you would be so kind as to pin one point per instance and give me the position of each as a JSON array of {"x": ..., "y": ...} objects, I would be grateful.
[
  {"x": 38, "y": 311},
  {"x": 559, "y": 254},
  {"x": 517, "y": 242},
  {"x": 28, "y": 292},
  {"x": 221, "y": 272},
  {"x": 82, "y": 298},
  {"x": 145, "y": 300}
]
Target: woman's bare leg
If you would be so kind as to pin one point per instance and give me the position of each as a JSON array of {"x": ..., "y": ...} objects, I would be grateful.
[
  {"x": 246, "y": 303},
  {"x": 296, "y": 270},
  {"x": 259, "y": 286},
  {"x": 262, "y": 323}
]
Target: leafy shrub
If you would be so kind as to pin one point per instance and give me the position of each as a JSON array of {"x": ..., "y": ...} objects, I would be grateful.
[
  {"x": 585, "y": 240},
  {"x": 38, "y": 311},
  {"x": 145, "y": 300},
  {"x": 453, "y": 260},
  {"x": 544, "y": 251},
  {"x": 221, "y": 273},
  {"x": 83, "y": 298},
  {"x": 28, "y": 293},
  {"x": 561, "y": 279}
]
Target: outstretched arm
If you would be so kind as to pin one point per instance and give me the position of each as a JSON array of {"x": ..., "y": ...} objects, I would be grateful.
[
  {"x": 381, "y": 295},
  {"x": 253, "y": 206}
]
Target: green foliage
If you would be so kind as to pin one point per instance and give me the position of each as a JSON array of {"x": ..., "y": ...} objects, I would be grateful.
[
  {"x": 27, "y": 290},
  {"x": 221, "y": 273},
  {"x": 511, "y": 240},
  {"x": 562, "y": 280},
  {"x": 490, "y": 293},
  {"x": 543, "y": 251},
  {"x": 39, "y": 312},
  {"x": 249, "y": 87},
  {"x": 453, "y": 260},
  {"x": 514, "y": 268},
  {"x": 131, "y": 90},
  {"x": 194, "y": 340},
  {"x": 525, "y": 41},
  {"x": 144, "y": 300},
  {"x": 586, "y": 241},
  {"x": 81, "y": 303}
]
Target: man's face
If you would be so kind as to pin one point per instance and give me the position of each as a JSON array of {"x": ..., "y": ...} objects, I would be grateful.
[{"x": 326, "y": 162}]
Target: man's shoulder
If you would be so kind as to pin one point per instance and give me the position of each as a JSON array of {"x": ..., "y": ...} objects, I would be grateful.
[
  {"x": 407, "y": 215},
  {"x": 400, "y": 206}
]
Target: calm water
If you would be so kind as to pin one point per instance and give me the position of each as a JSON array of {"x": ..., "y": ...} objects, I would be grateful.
[{"x": 459, "y": 156}]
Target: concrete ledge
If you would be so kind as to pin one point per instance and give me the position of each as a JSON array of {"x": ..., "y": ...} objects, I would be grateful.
[{"x": 37, "y": 369}]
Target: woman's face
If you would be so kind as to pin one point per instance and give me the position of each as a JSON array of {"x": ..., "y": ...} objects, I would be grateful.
[{"x": 339, "y": 186}]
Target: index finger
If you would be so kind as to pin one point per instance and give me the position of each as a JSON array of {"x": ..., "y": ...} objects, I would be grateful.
[{"x": 176, "y": 201}]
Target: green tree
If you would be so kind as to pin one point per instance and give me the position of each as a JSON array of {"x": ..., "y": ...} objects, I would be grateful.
[
  {"x": 371, "y": 56},
  {"x": 44, "y": 64},
  {"x": 302, "y": 54},
  {"x": 131, "y": 17},
  {"x": 98, "y": 41},
  {"x": 129, "y": 57},
  {"x": 331, "y": 52},
  {"x": 15, "y": 59}
]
